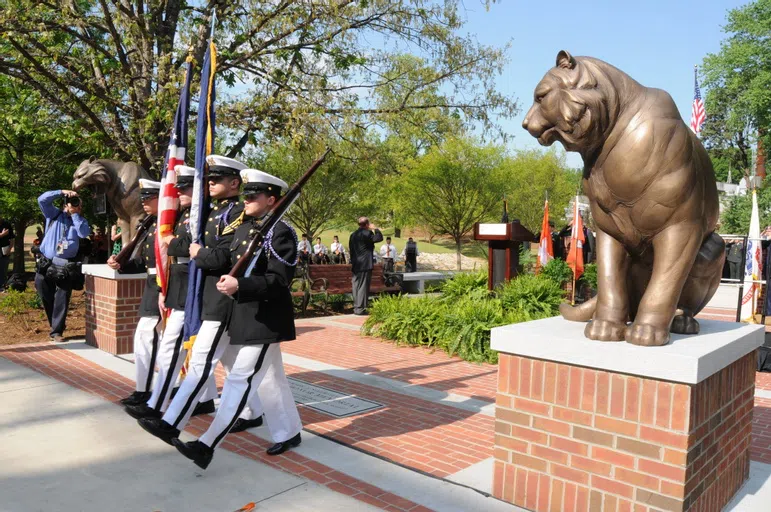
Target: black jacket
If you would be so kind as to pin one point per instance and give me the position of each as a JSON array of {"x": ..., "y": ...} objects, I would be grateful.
[
  {"x": 736, "y": 252},
  {"x": 360, "y": 247},
  {"x": 143, "y": 261},
  {"x": 179, "y": 248},
  {"x": 263, "y": 311},
  {"x": 214, "y": 257}
]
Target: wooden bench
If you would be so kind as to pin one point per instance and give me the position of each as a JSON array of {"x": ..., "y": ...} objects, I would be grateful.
[{"x": 326, "y": 280}]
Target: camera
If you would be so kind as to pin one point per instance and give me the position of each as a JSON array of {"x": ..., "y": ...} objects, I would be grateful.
[{"x": 73, "y": 201}]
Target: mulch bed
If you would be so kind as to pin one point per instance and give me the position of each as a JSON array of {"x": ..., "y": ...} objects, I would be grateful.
[{"x": 31, "y": 326}]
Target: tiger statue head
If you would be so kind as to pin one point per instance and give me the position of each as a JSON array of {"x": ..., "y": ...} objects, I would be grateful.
[{"x": 576, "y": 103}]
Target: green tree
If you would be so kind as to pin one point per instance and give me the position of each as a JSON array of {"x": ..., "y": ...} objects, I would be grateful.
[
  {"x": 530, "y": 175},
  {"x": 735, "y": 219},
  {"x": 738, "y": 83},
  {"x": 38, "y": 152},
  {"x": 326, "y": 196},
  {"x": 113, "y": 68},
  {"x": 454, "y": 186}
]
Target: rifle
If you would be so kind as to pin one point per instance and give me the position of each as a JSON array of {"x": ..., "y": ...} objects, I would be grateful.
[
  {"x": 125, "y": 253},
  {"x": 273, "y": 217}
]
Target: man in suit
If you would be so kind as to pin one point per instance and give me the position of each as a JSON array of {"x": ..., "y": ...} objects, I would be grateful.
[
  {"x": 360, "y": 247},
  {"x": 735, "y": 256}
]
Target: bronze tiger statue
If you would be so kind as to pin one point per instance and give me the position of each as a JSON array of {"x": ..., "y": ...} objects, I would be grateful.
[
  {"x": 121, "y": 183},
  {"x": 652, "y": 194}
]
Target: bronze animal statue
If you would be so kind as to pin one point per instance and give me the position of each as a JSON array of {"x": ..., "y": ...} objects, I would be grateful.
[
  {"x": 121, "y": 183},
  {"x": 652, "y": 194}
]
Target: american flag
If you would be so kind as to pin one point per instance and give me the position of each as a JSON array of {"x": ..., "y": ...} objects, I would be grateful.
[
  {"x": 204, "y": 142},
  {"x": 168, "y": 201},
  {"x": 698, "y": 116}
]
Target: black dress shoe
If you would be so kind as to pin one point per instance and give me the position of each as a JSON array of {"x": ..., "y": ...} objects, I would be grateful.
[
  {"x": 206, "y": 407},
  {"x": 136, "y": 398},
  {"x": 195, "y": 451},
  {"x": 242, "y": 424},
  {"x": 159, "y": 429},
  {"x": 142, "y": 411},
  {"x": 279, "y": 448}
]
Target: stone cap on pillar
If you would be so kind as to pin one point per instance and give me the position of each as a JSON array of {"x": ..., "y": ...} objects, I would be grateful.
[
  {"x": 687, "y": 359},
  {"x": 103, "y": 270}
]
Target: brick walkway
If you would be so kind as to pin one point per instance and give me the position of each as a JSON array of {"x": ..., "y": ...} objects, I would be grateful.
[
  {"x": 415, "y": 365},
  {"x": 82, "y": 374}
]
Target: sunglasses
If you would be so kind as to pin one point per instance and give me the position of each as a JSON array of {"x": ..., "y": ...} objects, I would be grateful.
[{"x": 252, "y": 196}]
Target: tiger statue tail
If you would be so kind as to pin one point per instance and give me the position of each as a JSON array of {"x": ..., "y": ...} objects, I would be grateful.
[{"x": 581, "y": 313}]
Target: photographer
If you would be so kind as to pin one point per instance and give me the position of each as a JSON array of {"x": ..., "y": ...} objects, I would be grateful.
[
  {"x": 57, "y": 270},
  {"x": 6, "y": 242}
]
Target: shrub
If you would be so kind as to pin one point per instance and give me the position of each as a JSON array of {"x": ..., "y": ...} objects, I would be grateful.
[
  {"x": 34, "y": 301},
  {"x": 406, "y": 320},
  {"x": 526, "y": 259},
  {"x": 558, "y": 271},
  {"x": 459, "y": 321},
  {"x": 14, "y": 304},
  {"x": 467, "y": 327},
  {"x": 533, "y": 296},
  {"x": 337, "y": 301},
  {"x": 465, "y": 284},
  {"x": 590, "y": 276}
]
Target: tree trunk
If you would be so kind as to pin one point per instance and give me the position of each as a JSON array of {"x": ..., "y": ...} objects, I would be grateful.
[
  {"x": 18, "y": 245},
  {"x": 457, "y": 249}
]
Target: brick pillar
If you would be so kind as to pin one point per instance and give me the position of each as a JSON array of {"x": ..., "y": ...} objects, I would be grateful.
[
  {"x": 570, "y": 437},
  {"x": 112, "y": 303}
]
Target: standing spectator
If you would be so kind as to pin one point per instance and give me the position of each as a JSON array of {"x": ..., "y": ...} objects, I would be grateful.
[
  {"x": 361, "y": 246},
  {"x": 337, "y": 250},
  {"x": 388, "y": 254},
  {"x": 735, "y": 256},
  {"x": 101, "y": 244},
  {"x": 410, "y": 255},
  {"x": 304, "y": 249},
  {"x": 6, "y": 242},
  {"x": 56, "y": 269},
  {"x": 320, "y": 252},
  {"x": 117, "y": 240}
]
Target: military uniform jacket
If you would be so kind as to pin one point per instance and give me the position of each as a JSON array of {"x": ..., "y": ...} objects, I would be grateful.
[
  {"x": 144, "y": 261},
  {"x": 214, "y": 257},
  {"x": 263, "y": 311},
  {"x": 179, "y": 248},
  {"x": 735, "y": 253}
]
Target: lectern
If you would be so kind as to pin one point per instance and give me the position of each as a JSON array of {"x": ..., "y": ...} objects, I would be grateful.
[{"x": 503, "y": 241}]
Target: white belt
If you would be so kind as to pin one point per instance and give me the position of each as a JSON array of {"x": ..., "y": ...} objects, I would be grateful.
[
  {"x": 152, "y": 271},
  {"x": 183, "y": 260}
]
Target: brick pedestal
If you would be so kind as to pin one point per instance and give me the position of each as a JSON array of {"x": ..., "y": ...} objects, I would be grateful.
[
  {"x": 112, "y": 303},
  {"x": 669, "y": 429}
]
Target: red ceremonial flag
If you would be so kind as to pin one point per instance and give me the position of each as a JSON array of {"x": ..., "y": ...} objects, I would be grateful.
[
  {"x": 575, "y": 259},
  {"x": 545, "y": 249}
]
